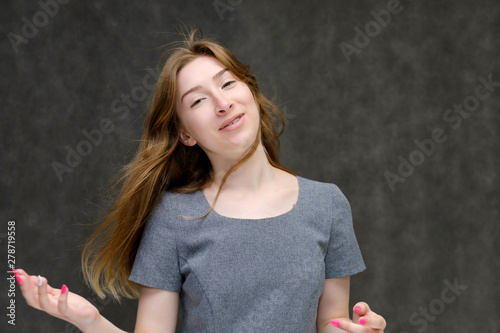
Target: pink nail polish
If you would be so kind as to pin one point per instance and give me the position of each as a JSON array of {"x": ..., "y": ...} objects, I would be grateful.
[
  {"x": 358, "y": 308},
  {"x": 64, "y": 289},
  {"x": 335, "y": 323},
  {"x": 18, "y": 278},
  {"x": 362, "y": 321},
  {"x": 15, "y": 272}
]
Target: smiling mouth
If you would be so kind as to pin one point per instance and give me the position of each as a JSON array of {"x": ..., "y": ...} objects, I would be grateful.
[{"x": 234, "y": 121}]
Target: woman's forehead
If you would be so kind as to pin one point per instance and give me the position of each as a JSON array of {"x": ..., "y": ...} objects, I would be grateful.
[{"x": 199, "y": 67}]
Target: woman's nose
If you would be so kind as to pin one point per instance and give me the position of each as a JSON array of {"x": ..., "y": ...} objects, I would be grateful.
[{"x": 223, "y": 104}]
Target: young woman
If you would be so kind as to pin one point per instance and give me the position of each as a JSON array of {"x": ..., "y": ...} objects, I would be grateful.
[{"x": 208, "y": 216}]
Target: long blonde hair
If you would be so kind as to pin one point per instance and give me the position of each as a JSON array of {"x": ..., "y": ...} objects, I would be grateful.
[{"x": 161, "y": 164}]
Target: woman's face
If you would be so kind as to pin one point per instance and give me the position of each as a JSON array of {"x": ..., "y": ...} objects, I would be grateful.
[{"x": 217, "y": 111}]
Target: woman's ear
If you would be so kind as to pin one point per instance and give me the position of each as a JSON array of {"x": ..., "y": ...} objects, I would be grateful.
[{"x": 186, "y": 139}]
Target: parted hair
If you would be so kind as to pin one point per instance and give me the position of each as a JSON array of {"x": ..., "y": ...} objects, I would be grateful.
[{"x": 162, "y": 163}]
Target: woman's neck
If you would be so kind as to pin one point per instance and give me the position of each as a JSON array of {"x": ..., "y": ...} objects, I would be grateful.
[{"x": 250, "y": 176}]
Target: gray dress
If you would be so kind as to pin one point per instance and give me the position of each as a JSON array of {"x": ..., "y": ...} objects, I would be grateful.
[{"x": 249, "y": 275}]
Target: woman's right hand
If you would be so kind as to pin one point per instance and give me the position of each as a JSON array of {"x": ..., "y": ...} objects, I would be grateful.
[{"x": 59, "y": 303}]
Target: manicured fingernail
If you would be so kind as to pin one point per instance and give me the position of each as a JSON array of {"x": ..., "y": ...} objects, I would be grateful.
[
  {"x": 358, "y": 308},
  {"x": 18, "y": 278},
  {"x": 64, "y": 289},
  {"x": 15, "y": 272},
  {"x": 39, "y": 281},
  {"x": 335, "y": 323},
  {"x": 362, "y": 321}
]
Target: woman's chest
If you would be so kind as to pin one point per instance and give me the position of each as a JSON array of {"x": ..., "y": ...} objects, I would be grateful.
[{"x": 250, "y": 255}]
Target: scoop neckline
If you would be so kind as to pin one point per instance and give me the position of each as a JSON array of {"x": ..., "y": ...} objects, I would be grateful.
[{"x": 207, "y": 204}]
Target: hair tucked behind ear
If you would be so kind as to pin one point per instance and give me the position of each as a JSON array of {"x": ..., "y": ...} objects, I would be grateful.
[{"x": 161, "y": 164}]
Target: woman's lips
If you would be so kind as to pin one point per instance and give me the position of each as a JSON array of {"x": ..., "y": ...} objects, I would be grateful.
[{"x": 232, "y": 123}]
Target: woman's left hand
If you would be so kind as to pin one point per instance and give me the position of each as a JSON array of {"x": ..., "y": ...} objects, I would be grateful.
[{"x": 364, "y": 321}]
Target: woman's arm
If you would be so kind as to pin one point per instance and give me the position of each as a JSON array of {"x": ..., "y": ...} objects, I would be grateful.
[
  {"x": 63, "y": 304},
  {"x": 333, "y": 304},
  {"x": 157, "y": 311},
  {"x": 333, "y": 313}
]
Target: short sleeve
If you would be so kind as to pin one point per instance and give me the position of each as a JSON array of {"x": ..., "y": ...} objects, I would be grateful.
[
  {"x": 343, "y": 256},
  {"x": 156, "y": 263}
]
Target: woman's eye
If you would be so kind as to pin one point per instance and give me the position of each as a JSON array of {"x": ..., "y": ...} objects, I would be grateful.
[
  {"x": 227, "y": 84},
  {"x": 196, "y": 102}
]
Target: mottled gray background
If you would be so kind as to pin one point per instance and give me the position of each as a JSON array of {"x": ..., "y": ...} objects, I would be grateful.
[{"x": 348, "y": 123}]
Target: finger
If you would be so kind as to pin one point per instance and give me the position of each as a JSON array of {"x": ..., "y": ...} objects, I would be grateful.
[
  {"x": 28, "y": 288},
  {"x": 349, "y": 326},
  {"x": 50, "y": 290},
  {"x": 62, "y": 301},
  {"x": 34, "y": 279},
  {"x": 358, "y": 311},
  {"x": 20, "y": 274},
  {"x": 361, "y": 308},
  {"x": 373, "y": 320},
  {"x": 363, "y": 315},
  {"x": 43, "y": 298}
]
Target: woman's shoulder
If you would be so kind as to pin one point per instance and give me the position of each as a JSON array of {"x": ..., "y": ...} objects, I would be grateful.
[
  {"x": 174, "y": 205},
  {"x": 171, "y": 197},
  {"x": 322, "y": 194},
  {"x": 319, "y": 187}
]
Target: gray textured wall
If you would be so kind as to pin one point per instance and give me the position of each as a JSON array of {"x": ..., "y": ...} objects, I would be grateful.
[{"x": 355, "y": 106}]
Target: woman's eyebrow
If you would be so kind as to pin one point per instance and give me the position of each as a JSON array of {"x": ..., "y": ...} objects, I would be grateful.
[{"x": 215, "y": 77}]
